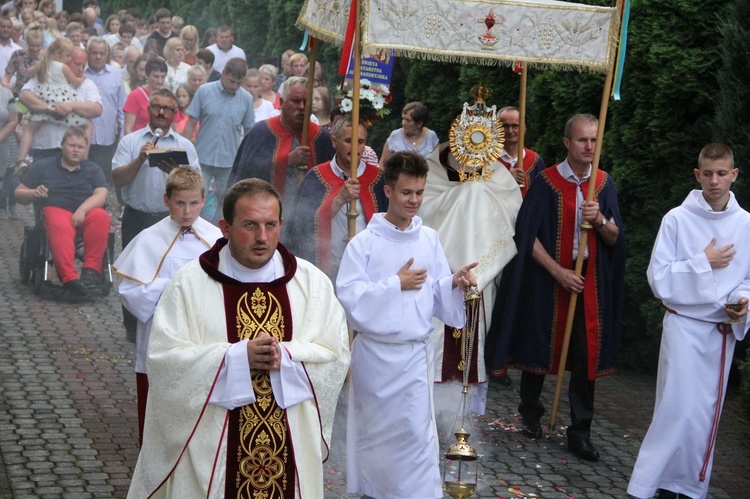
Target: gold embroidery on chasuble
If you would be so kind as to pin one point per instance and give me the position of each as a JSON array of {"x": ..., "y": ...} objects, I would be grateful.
[{"x": 264, "y": 453}]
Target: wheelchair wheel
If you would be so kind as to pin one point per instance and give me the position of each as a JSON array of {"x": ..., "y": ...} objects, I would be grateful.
[
  {"x": 24, "y": 265},
  {"x": 37, "y": 280}
]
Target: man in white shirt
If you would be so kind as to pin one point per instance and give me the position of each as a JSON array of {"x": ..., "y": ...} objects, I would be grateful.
[
  {"x": 7, "y": 45},
  {"x": 224, "y": 49}
]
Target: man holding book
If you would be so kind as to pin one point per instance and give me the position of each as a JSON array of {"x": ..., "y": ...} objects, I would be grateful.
[{"x": 143, "y": 182}]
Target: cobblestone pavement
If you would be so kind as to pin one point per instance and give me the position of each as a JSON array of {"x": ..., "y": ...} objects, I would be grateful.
[{"x": 68, "y": 413}]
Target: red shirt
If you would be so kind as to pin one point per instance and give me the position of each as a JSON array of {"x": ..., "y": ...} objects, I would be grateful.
[{"x": 137, "y": 104}]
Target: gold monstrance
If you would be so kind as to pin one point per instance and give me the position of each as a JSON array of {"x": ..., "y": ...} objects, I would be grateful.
[{"x": 476, "y": 137}]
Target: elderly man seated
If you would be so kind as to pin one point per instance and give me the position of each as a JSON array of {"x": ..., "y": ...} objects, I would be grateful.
[{"x": 72, "y": 193}]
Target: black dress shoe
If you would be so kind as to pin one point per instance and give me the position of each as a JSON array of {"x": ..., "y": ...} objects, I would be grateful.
[
  {"x": 667, "y": 494},
  {"x": 583, "y": 449},
  {"x": 532, "y": 429},
  {"x": 503, "y": 380}
]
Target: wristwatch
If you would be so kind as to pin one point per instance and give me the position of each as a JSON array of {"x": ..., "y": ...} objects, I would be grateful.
[{"x": 604, "y": 221}]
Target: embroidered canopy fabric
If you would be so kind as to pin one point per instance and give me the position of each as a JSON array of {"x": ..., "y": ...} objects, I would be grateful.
[{"x": 539, "y": 32}]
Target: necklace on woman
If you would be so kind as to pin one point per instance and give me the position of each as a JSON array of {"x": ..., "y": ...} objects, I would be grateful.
[{"x": 413, "y": 141}]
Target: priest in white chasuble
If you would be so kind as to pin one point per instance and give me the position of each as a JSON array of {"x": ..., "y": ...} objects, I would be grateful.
[
  {"x": 475, "y": 217},
  {"x": 248, "y": 353}
]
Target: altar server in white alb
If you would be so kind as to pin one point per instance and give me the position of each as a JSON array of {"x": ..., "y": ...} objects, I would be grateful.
[
  {"x": 700, "y": 263},
  {"x": 247, "y": 356},
  {"x": 393, "y": 279},
  {"x": 150, "y": 260}
]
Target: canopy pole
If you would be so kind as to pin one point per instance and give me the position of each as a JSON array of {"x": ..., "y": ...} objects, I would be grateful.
[
  {"x": 308, "y": 103},
  {"x": 522, "y": 124},
  {"x": 352, "y": 213},
  {"x": 310, "y": 85}
]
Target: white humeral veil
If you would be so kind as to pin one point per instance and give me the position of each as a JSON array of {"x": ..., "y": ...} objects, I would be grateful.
[{"x": 476, "y": 223}]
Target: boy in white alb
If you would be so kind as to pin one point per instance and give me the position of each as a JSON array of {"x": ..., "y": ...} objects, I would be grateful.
[
  {"x": 700, "y": 263},
  {"x": 393, "y": 279},
  {"x": 151, "y": 259}
]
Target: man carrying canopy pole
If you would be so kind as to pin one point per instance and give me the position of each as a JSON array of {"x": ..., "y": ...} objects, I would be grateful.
[{"x": 532, "y": 305}]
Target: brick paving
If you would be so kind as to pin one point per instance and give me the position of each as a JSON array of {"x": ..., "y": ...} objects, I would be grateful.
[{"x": 68, "y": 416}]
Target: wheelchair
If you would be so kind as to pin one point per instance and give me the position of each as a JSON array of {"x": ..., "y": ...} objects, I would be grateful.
[{"x": 36, "y": 265}]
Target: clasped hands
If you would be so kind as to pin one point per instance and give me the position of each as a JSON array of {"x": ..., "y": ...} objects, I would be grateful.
[{"x": 264, "y": 352}]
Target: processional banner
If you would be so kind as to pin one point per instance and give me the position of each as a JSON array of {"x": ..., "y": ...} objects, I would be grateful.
[{"x": 538, "y": 32}]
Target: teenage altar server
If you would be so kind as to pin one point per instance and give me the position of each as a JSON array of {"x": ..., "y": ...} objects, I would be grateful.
[
  {"x": 393, "y": 279},
  {"x": 700, "y": 263},
  {"x": 151, "y": 259}
]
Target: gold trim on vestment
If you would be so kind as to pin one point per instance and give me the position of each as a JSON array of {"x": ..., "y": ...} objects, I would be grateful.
[{"x": 264, "y": 450}]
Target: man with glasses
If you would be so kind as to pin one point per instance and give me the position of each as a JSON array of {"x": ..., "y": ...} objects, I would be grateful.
[
  {"x": 143, "y": 184},
  {"x": 532, "y": 163}
]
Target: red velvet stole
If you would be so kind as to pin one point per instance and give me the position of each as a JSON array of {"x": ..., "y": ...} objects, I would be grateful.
[
  {"x": 334, "y": 184},
  {"x": 260, "y": 457},
  {"x": 530, "y": 159},
  {"x": 567, "y": 206},
  {"x": 280, "y": 160}
]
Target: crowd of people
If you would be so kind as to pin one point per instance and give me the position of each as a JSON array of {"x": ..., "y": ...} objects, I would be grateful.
[{"x": 240, "y": 314}]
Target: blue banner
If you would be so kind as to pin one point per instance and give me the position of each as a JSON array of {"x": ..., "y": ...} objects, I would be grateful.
[{"x": 375, "y": 69}]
